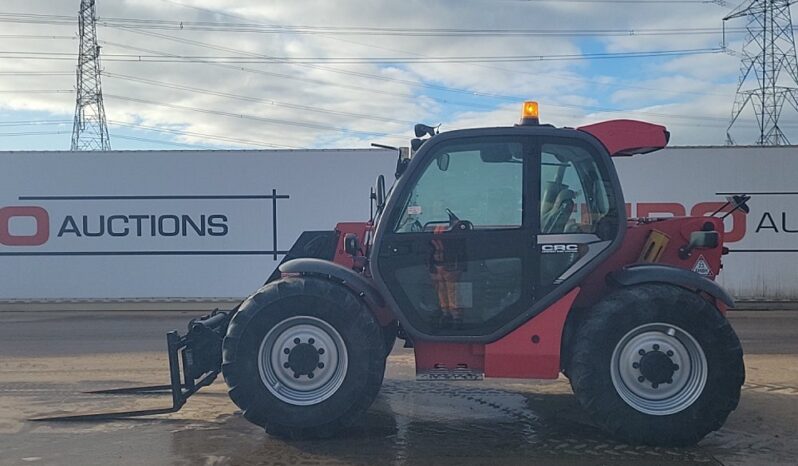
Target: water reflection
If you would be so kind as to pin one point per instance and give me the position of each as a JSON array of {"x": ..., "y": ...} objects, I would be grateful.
[{"x": 434, "y": 422}]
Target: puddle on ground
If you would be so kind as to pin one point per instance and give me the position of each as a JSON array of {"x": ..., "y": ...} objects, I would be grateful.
[
  {"x": 441, "y": 423},
  {"x": 410, "y": 423}
]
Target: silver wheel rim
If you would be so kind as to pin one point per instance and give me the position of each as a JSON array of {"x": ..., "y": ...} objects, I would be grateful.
[
  {"x": 302, "y": 360},
  {"x": 658, "y": 369}
]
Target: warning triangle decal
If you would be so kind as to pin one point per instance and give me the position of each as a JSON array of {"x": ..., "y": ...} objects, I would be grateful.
[{"x": 701, "y": 267}]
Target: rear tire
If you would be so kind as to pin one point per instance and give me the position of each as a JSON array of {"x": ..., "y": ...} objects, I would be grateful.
[
  {"x": 303, "y": 358},
  {"x": 657, "y": 364}
]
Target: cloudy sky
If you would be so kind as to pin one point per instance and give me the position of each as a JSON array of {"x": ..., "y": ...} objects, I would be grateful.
[{"x": 322, "y": 74}]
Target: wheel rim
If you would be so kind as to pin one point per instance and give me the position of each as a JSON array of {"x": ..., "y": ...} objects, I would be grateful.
[
  {"x": 658, "y": 369},
  {"x": 302, "y": 360}
]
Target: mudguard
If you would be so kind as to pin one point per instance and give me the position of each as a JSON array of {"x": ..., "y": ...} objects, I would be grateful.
[
  {"x": 330, "y": 270},
  {"x": 318, "y": 244},
  {"x": 657, "y": 273}
]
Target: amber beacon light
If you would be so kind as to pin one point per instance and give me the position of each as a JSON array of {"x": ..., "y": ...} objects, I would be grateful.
[{"x": 530, "y": 115}]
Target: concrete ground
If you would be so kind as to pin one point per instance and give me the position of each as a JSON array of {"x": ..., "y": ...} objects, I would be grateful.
[{"x": 49, "y": 358}]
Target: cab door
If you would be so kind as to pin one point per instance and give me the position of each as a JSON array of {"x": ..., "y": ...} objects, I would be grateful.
[
  {"x": 458, "y": 255},
  {"x": 579, "y": 216}
]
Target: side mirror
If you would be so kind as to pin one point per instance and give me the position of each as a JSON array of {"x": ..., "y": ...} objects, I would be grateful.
[
  {"x": 380, "y": 193},
  {"x": 443, "y": 162},
  {"x": 700, "y": 240},
  {"x": 739, "y": 202},
  {"x": 415, "y": 144},
  {"x": 351, "y": 244},
  {"x": 704, "y": 239},
  {"x": 424, "y": 130}
]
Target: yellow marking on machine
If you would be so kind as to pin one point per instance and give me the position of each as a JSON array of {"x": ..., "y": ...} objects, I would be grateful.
[{"x": 655, "y": 244}]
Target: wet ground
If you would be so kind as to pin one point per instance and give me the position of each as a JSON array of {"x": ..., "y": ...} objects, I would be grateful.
[{"x": 49, "y": 358}]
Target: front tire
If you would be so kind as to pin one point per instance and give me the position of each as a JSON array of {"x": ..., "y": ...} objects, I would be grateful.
[
  {"x": 657, "y": 364},
  {"x": 303, "y": 358}
]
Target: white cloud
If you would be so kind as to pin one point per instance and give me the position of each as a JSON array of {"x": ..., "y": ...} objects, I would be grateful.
[{"x": 377, "y": 102}]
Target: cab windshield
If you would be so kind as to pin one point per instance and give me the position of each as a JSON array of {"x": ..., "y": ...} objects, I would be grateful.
[{"x": 478, "y": 182}]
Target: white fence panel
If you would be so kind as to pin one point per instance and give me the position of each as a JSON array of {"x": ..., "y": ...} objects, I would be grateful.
[
  {"x": 177, "y": 224},
  {"x": 201, "y": 224}
]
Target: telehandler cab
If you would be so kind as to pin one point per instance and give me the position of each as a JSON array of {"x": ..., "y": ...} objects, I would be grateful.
[{"x": 499, "y": 252}]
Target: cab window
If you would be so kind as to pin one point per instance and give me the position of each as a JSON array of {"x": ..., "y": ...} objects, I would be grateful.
[
  {"x": 575, "y": 197},
  {"x": 480, "y": 183}
]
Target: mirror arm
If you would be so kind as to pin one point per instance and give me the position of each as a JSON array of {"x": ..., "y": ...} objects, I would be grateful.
[
  {"x": 727, "y": 204},
  {"x": 741, "y": 203}
]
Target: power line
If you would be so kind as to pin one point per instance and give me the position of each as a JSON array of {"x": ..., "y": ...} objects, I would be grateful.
[
  {"x": 312, "y": 109},
  {"x": 274, "y": 121},
  {"x": 295, "y": 77},
  {"x": 503, "y": 97},
  {"x": 160, "y": 142},
  {"x": 602, "y": 83},
  {"x": 367, "y": 89},
  {"x": 610, "y": 31},
  {"x": 122, "y": 57},
  {"x": 169, "y": 131},
  {"x": 463, "y": 91},
  {"x": 618, "y": 32},
  {"x": 182, "y": 132},
  {"x": 33, "y": 122},
  {"x": 410, "y": 32},
  {"x": 382, "y": 77},
  {"x": 36, "y": 73},
  {"x": 442, "y": 33},
  {"x": 701, "y": 121},
  {"x": 294, "y": 123},
  {"x": 211, "y": 26},
  {"x": 365, "y": 75},
  {"x": 514, "y": 98},
  {"x": 34, "y": 36},
  {"x": 37, "y": 91},
  {"x": 35, "y": 133},
  {"x": 409, "y": 82},
  {"x": 638, "y": 2},
  {"x": 40, "y": 16}
]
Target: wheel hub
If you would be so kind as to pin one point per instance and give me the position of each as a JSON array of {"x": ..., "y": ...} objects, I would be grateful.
[
  {"x": 657, "y": 367},
  {"x": 303, "y": 359}
]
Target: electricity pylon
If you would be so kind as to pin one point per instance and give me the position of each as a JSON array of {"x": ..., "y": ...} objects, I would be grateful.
[
  {"x": 768, "y": 69},
  {"x": 90, "y": 130}
]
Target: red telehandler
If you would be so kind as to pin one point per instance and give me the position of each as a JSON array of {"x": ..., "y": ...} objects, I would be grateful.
[{"x": 498, "y": 252}]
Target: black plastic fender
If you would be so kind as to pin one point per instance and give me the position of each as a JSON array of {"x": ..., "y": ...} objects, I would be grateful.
[
  {"x": 330, "y": 270},
  {"x": 318, "y": 244},
  {"x": 637, "y": 274}
]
